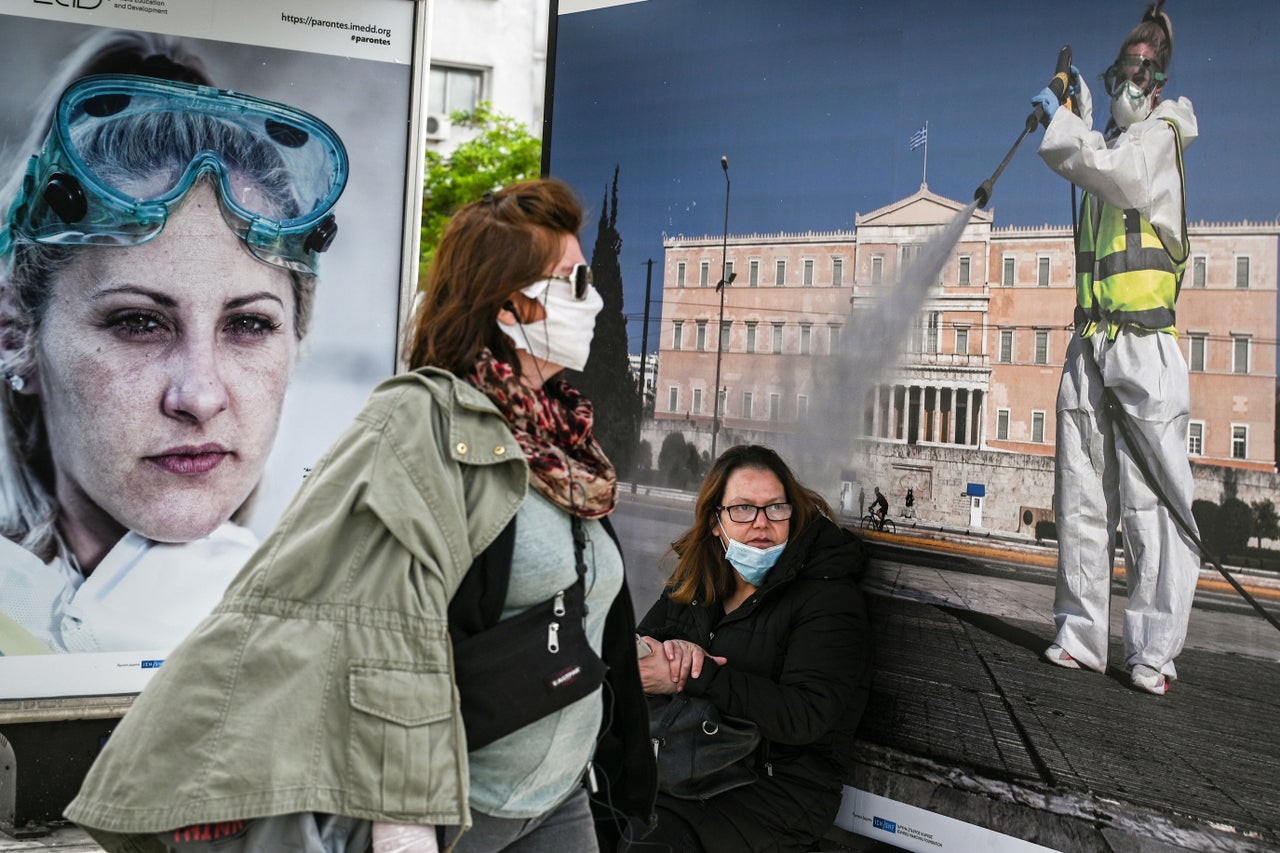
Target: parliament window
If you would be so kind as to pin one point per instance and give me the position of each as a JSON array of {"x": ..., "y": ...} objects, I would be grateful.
[
  {"x": 1239, "y": 441},
  {"x": 1195, "y": 438}
]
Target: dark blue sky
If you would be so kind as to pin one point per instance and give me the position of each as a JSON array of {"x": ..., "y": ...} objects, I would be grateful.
[{"x": 814, "y": 101}]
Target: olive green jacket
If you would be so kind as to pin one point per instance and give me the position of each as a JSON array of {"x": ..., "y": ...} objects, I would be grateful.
[{"x": 324, "y": 680}]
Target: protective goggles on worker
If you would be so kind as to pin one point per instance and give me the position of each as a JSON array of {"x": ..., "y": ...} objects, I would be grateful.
[
  {"x": 746, "y": 513},
  {"x": 124, "y": 150},
  {"x": 1141, "y": 71},
  {"x": 579, "y": 280}
]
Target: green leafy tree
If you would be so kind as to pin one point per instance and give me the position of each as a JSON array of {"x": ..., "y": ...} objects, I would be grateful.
[
  {"x": 644, "y": 456},
  {"x": 1266, "y": 523},
  {"x": 1207, "y": 515},
  {"x": 502, "y": 153},
  {"x": 678, "y": 461},
  {"x": 1235, "y": 525},
  {"x": 606, "y": 380}
]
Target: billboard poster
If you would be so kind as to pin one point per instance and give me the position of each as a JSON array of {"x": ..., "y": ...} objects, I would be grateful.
[
  {"x": 207, "y": 233},
  {"x": 805, "y": 155}
]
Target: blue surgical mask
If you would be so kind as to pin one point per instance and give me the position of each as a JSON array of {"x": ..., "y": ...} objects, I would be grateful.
[{"x": 751, "y": 562}]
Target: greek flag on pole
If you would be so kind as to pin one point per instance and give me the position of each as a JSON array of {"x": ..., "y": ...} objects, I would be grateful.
[{"x": 920, "y": 137}]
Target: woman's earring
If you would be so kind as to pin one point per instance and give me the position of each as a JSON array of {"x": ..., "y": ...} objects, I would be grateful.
[{"x": 16, "y": 382}]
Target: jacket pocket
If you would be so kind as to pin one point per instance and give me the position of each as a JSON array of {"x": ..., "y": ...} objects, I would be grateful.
[{"x": 403, "y": 749}]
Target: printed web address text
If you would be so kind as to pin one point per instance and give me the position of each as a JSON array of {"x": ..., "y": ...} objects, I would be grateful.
[{"x": 360, "y": 33}]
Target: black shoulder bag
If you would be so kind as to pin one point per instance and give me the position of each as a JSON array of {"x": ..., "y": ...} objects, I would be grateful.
[
  {"x": 521, "y": 669},
  {"x": 700, "y": 752}
]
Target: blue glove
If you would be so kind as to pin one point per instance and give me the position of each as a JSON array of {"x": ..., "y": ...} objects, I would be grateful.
[
  {"x": 1073, "y": 89},
  {"x": 1048, "y": 102}
]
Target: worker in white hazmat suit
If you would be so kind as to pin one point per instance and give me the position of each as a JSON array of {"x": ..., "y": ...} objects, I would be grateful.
[{"x": 1132, "y": 249}]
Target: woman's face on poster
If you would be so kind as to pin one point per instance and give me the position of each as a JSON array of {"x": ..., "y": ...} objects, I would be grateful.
[{"x": 161, "y": 370}]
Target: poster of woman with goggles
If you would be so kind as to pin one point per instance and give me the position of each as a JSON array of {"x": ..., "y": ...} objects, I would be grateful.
[{"x": 202, "y": 251}]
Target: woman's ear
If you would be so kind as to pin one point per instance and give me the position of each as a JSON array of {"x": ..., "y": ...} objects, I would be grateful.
[
  {"x": 507, "y": 316},
  {"x": 17, "y": 367},
  {"x": 522, "y": 309}
]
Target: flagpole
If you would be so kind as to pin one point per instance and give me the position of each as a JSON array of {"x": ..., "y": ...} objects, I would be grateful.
[
  {"x": 924, "y": 177},
  {"x": 921, "y": 137}
]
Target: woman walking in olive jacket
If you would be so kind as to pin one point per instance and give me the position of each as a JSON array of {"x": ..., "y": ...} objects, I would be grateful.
[{"x": 318, "y": 706}]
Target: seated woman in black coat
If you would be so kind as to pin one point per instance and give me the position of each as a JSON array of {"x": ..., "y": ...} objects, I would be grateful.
[{"x": 762, "y": 616}]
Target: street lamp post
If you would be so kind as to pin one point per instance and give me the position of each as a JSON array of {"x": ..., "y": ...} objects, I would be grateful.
[
  {"x": 644, "y": 337},
  {"x": 720, "y": 286}
]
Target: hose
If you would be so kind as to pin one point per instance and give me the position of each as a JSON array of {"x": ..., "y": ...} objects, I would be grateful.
[{"x": 1140, "y": 457}]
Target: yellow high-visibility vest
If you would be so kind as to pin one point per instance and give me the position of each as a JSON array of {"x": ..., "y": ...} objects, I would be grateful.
[{"x": 1125, "y": 274}]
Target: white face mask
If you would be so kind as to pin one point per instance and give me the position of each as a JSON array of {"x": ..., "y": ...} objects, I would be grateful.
[
  {"x": 1129, "y": 106},
  {"x": 564, "y": 335}
]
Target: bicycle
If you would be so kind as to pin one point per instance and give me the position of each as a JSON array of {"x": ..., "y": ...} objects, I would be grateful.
[{"x": 875, "y": 522}]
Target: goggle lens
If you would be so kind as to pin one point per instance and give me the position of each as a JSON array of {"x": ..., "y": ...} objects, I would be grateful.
[
  {"x": 136, "y": 145},
  {"x": 1138, "y": 70}
]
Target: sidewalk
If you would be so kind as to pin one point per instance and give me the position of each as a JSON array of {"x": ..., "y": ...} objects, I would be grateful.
[
  {"x": 967, "y": 721},
  {"x": 64, "y": 839}
]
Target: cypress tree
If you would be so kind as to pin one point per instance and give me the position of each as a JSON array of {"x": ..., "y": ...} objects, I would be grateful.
[{"x": 606, "y": 379}]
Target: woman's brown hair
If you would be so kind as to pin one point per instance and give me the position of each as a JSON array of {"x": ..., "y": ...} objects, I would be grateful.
[
  {"x": 701, "y": 571},
  {"x": 1155, "y": 31},
  {"x": 490, "y": 249}
]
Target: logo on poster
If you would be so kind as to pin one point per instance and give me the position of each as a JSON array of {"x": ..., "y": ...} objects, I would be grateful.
[
  {"x": 886, "y": 825},
  {"x": 70, "y": 4}
]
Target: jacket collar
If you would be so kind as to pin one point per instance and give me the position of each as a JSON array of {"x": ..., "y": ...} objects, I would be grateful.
[{"x": 478, "y": 434}]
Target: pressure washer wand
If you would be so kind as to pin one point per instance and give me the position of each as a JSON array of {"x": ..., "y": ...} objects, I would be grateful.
[{"x": 1058, "y": 85}]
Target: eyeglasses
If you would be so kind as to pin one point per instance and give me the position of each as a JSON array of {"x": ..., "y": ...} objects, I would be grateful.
[
  {"x": 579, "y": 277},
  {"x": 1138, "y": 70},
  {"x": 746, "y": 513},
  {"x": 123, "y": 150}
]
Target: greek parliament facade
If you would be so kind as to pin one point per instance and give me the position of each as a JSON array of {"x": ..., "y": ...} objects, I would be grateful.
[{"x": 967, "y": 419}]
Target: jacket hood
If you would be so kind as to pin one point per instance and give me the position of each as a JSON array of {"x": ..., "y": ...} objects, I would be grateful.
[{"x": 1183, "y": 117}]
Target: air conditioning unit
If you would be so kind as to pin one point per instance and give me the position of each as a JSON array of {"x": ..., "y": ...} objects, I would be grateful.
[
  {"x": 1037, "y": 521},
  {"x": 437, "y": 126}
]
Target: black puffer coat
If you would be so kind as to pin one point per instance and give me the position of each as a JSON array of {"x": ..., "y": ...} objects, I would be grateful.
[{"x": 799, "y": 665}]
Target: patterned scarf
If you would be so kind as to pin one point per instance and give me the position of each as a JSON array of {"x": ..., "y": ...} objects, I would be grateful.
[{"x": 553, "y": 426}]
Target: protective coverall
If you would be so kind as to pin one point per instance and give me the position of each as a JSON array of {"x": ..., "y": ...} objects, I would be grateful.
[{"x": 1098, "y": 483}]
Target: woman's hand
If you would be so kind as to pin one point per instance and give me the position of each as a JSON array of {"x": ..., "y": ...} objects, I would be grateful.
[
  {"x": 404, "y": 838},
  {"x": 677, "y": 662}
]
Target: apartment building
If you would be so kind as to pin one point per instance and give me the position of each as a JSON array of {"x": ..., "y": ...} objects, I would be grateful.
[{"x": 485, "y": 50}]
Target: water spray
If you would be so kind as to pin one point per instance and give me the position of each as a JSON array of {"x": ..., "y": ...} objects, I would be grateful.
[
  {"x": 876, "y": 331},
  {"x": 832, "y": 431}
]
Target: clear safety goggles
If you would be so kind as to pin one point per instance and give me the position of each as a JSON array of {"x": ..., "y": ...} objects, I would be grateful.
[
  {"x": 579, "y": 280},
  {"x": 124, "y": 150},
  {"x": 1141, "y": 71}
]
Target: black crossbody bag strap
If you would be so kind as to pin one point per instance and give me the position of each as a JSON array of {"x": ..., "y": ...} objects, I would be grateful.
[{"x": 519, "y": 670}]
